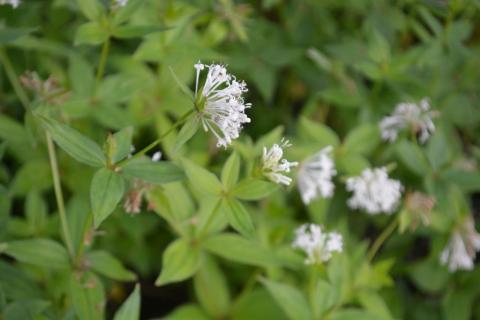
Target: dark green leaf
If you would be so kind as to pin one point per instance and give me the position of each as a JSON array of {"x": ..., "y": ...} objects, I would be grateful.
[{"x": 39, "y": 252}]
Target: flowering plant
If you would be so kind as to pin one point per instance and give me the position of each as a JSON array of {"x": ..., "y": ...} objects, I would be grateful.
[{"x": 239, "y": 160}]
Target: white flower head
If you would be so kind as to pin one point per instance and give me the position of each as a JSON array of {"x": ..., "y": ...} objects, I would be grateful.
[
  {"x": 13, "y": 3},
  {"x": 460, "y": 252},
  {"x": 273, "y": 166},
  {"x": 417, "y": 117},
  {"x": 157, "y": 156},
  {"x": 315, "y": 176},
  {"x": 121, "y": 3},
  {"x": 220, "y": 103},
  {"x": 316, "y": 243},
  {"x": 374, "y": 192}
]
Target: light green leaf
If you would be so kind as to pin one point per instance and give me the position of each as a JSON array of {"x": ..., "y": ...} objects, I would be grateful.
[
  {"x": 130, "y": 309},
  {"x": 211, "y": 289},
  {"x": 187, "y": 132},
  {"x": 254, "y": 189},
  {"x": 413, "y": 157},
  {"x": 188, "y": 312},
  {"x": 180, "y": 261},
  {"x": 318, "y": 132},
  {"x": 31, "y": 309},
  {"x": 239, "y": 218},
  {"x": 106, "y": 192},
  {"x": 39, "y": 252},
  {"x": 36, "y": 211},
  {"x": 74, "y": 143},
  {"x": 236, "y": 248},
  {"x": 91, "y": 33},
  {"x": 375, "y": 304},
  {"x": 87, "y": 296},
  {"x": 230, "y": 171},
  {"x": 351, "y": 164},
  {"x": 106, "y": 264},
  {"x": 127, "y": 32},
  {"x": 290, "y": 299},
  {"x": 120, "y": 144},
  {"x": 81, "y": 76},
  {"x": 152, "y": 171},
  {"x": 183, "y": 87},
  {"x": 92, "y": 9},
  {"x": 468, "y": 181},
  {"x": 125, "y": 12},
  {"x": 201, "y": 179}
]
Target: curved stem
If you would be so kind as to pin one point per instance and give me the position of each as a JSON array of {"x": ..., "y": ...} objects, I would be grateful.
[
  {"x": 58, "y": 194},
  {"x": 381, "y": 239},
  {"x": 156, "y": 142}
]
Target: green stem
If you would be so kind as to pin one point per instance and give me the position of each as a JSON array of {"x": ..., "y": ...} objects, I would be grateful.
[
  {"x": 381, "y": 239},
  {"x": 102, "y": 63},
  {"x": 12, "y": 76},
  {"x": 58, "y": 194},
  {"x": 156, "y": 142}
]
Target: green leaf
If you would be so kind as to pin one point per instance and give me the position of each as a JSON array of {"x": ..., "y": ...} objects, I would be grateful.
[
  {"x": 353, "y": 314},
  {"x": 318, "y": 132},
  {"x": 341, "y": 97},
  {"x": 127, "y": 32},
  {"x": 351, "y": 164},
  {"x": 468, "y": 181},
  {"x": 374, "y": 303},
  {"x": 92, "y": 9},
  {"x": 201, "y": 179},
  {"x": 120, "y": 144},
  {"x": 188, "y": 312},
  {"x": 90, "y": 33},
  {"x": 36, "y": 211},
  {"x": 25, "y": 310},
  {"x": 413, "y": 158},
  {"x": 289, "y": 299},
  {"x": 362, "y": 140},
  {"x": 79, "y": 218},
  {"x": 11, "y": 34},
  {"x": 211, "y": 289},
  {"x": 239, "y": 218},
  {"x": 130, "y": 309},
  {"x": 187, "y": 132},
  {"x": 180, "y": 261},
  {"x": 106, "y": 264},
  {"x": 254, "y": 189},
  {"x": 156, "y": 172},
  {"x": 125, "y": 12},
  {"x": 39, "y": 252},
  {"x": 106, "y": 192},
  {"x": 74, "y": 143},
  {"x": 33, "y": 176},
  {"x": 230, "y": 171},
  {"x": 234, "y": 247},
  {"x": 87, "y": 296},
  {"x": 183, "y": 87}
]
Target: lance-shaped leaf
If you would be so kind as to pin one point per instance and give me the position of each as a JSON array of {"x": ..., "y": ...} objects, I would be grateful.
[
  {"x": 201, "y": 179},
  {"x": 87, "y": 296},
  {"x": 74, "y": 143},
  {"x": 39, "y": 252},
  {"x": 230, "y": 171},
  {"x": 127, "y": 32},
  {"x": 91, "y": 33},
  {"x": 106, "y": 192},
  {"x": 156, "y": 172},
  {"x": 187, "y": 132},
  {"x": 238, "y": 217},
  {"x": 130, "y": 309},
  {"x": 180, "y": 261},
  {"x": 92, "y": 9},
  {"x": 125, "y": 12},
  {"x": 119, "y": 145},
  {"x": 254, "y": 189},
  {"x": 105, "y": 263}
]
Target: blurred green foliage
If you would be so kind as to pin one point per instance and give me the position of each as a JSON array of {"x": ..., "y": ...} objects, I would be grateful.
[{"x": 320, "y": 72}]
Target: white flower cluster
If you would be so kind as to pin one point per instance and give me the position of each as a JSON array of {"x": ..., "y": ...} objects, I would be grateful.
[
  {"x": 13, "y": 3},
  {"x": 417, "y": 117},
  {"x": 121, "y": 3},
  {"x": 316, "y": 243},
  {"x": 460, "y": 252},
  {"x": 273, "y": 166},
  {"x": 315, "y": 176},
  {"x": 374, "y": 192},
  {"x": 224, "y": 109}
]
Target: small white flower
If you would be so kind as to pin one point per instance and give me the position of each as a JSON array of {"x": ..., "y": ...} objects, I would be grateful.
[
  {"x": 460, "y": 252},
  {"x": 221, "y": 103},
  {"x": 157, "y": 156},
  {"x": 374, "y": 192},
  {"x": 13, "y": 3},
  {"x": 273, "y": 166},
  {"x": 417, "y": 117},
  {"x": 121, "y": 3},
  {"x": 315, "y": 176},
  {"x": 316, "y": 243}
]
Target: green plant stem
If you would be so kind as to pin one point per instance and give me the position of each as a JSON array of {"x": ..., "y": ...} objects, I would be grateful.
[
  {"x": 102, "y": 63},
  {"x": 12, "y": 76},
  {"x": 152, "y": 145},
  {"x": 381, "y": 239},
  {"x": 58, "y": 194}
]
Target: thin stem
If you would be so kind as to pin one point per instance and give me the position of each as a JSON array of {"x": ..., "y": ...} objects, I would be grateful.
[
  {"x": 58, "y": 194},
  {"x": 156, "y": 142},
  {"x": 12, "y": 76},
  {"x": 382, "y": 238},
  {"x": 102, "y": 63}
]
